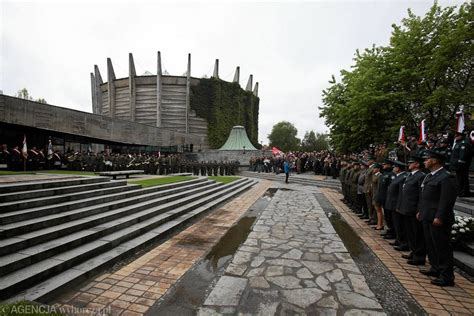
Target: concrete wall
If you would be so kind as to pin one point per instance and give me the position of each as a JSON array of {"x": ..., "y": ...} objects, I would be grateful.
[{"x": 54, "y": 118}]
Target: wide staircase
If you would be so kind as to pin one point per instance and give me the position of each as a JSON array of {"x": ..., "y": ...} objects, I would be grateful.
[
  {"x": 55, "y": 233},
  {"x": 305, "y": 180}
]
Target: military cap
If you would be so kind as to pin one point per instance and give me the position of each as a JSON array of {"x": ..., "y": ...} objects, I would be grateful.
[
  {"x": 427, "y": 154},
  {"x": 377, "y": 165},
  {"x": 415, "y": 159},
  {"x": 399, "y": 164},
  {"x": 389, "y": 162}
]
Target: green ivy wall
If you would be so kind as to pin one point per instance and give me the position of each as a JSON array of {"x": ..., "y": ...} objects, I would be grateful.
[{"x": 224, "y": 105}]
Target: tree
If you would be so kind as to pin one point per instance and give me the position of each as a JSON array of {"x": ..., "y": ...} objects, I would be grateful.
[
  {"x": 425, "y": 73},
  {"x": 283, "y": 136},
  {"x": 24, "y": 94},
  {"x": 314, "y": 142}
]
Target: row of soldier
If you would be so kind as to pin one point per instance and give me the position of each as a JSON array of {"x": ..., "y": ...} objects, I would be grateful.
[
  {"x": 38, "y": 159},
  {"x": 413, "y": 202}
]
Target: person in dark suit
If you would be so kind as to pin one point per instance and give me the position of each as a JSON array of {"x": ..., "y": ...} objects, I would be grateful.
[
  {"x": 408, "y": 207},
  {"x": 461, "y": 157},
  {"x": 391, "y": 202},
  {"x": 437, "y": 198},
  {"x": 387, "y": 177}
]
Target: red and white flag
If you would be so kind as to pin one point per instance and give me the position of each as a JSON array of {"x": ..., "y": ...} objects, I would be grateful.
[
  {"x": 24, "y": 150},
  {"x": 422, "y": 131},
  {"x": 460, "y": 122},
  {"x": 276, "y": 151},
  {"x": 401, "y": 134}
]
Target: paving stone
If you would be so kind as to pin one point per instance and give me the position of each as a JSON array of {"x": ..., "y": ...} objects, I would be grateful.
[
  {"x": 334, "y": 275},
  {"x": 242, "y": 257},
  {"x": 318, "y": 267},
  {"x": 308, "y": 283},
  {"x": 274, "y": 270},
  {"x": 268, "y": 308},
  {"x": 352, "y": 267},
  {"x": 323, "y": 283},
  {"x": 286, "y": 281},
  {"x": 303, "y": 297},
  {"x": 256, "y": 272},
  {"x": 285, "y": 262},
  {"x": 257, "y": 261},
  {"x": 311, "y": 256},
  {"x": 329, "y": 302},
  {"x": 258, "y": 282},
  {"x": 293, "y": 254},
  {"x": 249, "y": 249},
  {"x": 360, "y": 285},
  {"x": 361, "y": 312},
  {"x": 227, "y": 291},
  {"x": 236, "y": 269},
  {"x": 357, "y": 300},
  {"x": 269, "y": 253},
  {"x": 304, "y": 273}
]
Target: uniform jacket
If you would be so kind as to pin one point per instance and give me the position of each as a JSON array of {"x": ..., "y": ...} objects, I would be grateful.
[
  {"x": 461, "y": 155},
  {"x": 385, "y": 181},
  {"x": 368, "y": 181},
  {"x": 393, "y": 191},
  {"x": 360, "y": 181},
  {"x": 409, "y": 195},
  {"x": 375, "y": 186},
  {"x": 437, "y": 198}
]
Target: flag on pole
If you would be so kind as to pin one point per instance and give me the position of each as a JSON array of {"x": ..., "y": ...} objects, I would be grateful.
[
  {"x": 422, "y": 131},
  {"x": 24, "y": 150},
  {"x": 460, "y": 121},
  {"x": 276, "y": 151},
  {"x": 50, "y": 150},
  {"x": 401, "y": 134},
  {"x": 159, "y": 154}
]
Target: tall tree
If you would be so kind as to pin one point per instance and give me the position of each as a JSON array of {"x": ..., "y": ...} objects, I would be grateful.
[
  {"x": 283, "y": 136},
  {"x": 314, "y": 142},
  {"x": 24, "y": 94}
]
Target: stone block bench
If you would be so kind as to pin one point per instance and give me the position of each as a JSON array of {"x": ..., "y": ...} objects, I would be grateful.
[{"x": 116, "y": 174}]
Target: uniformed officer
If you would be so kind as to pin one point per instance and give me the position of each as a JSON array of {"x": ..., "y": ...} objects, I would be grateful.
[
  {"x": 386, "y": 179},
  {"x": 437, "y": 198},
  {"x": 408, "y": 207},
  {"x": 460, "y": 161},
  {"x": 391, "y": 204},
  {"x": 360, "y": 190},
  {"x": 375, "y": 198},
  {"x": 369, "y": 191}
]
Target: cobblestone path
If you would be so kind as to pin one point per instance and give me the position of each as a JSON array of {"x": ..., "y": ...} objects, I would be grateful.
[{"x": 292, "y": 262}]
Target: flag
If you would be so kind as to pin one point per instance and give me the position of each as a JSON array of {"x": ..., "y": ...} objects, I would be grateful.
[
  {"x": 89, "y": 149},
  {"x": 401, "y": 134},
  {"x": 460, "y": 121},
  {"x": 422, "y": 131},
  {"x": 159, "y": 154},
  {"x": 24, "y": 150},
  {"x": 50, "y": 150},
  {"x": 276, "y": 151}
]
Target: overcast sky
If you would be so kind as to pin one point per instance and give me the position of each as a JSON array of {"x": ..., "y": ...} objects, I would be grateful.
[{"x": 291, "y": 48}]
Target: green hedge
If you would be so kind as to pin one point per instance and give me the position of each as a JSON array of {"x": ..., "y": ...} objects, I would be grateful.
[{"x": 224, "y": 105}]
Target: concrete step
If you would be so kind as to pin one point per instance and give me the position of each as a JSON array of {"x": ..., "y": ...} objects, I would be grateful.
[
  {"x": 464, "y": 208},
  {"x": 62, "y": 198},
  {"x": 32, "y": 230},
  {"x": 464, "y": 261},
  {"x": 85, "y": 260},
  {"x": 37, "y": 185},
  {"x": 56, "y": 209},
  {"x": 25, "y": 195}
]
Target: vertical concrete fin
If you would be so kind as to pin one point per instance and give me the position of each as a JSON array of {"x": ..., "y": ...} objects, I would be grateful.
[
  {"x": 111, "y": 87},
  {"x": 249, "y": 83},
  {"x": 237, "y": 75},
  {"x": 131, "y": 86},
  {"x": 98, "y": 91},
  {"x": 188, "y": 92},
  {"x": 158, "y": 90},
  {"x": 216, "y": 70},
  {"x": 93, "y": 94},
  {"x": 255, "y": 90}
]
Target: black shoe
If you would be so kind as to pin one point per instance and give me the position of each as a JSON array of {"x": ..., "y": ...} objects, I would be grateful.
[
  {"x": 372, "y": 223},
  {"x": 400, "y": 248},
  {"x": 409, "y": 256},
  {"x": 416, "y": 262},
  {"x": 394, "y": 243},
  {"x": 441, "y": 282},
  {"x": 430, "y": 273}
]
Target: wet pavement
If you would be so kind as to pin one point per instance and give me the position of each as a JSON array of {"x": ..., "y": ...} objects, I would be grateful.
[{"x": 293, "y": 262}]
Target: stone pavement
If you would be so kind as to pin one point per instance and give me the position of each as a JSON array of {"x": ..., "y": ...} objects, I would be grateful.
[
  {"x": 132, "y": 289},
  {"x": 457, "y": 300},
  {"x": 293, "y": 262}
]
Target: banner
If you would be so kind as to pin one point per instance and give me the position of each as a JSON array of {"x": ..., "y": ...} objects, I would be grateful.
[
  {"x": 460, "y": 121},
  {"x": 401, "y": 134},
  {"x": 24, "y": 150},
  {"x": 422, "y": 131}
]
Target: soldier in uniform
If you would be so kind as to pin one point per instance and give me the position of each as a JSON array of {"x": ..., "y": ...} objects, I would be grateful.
[
  {"x": 368, "y": 191},
  {"x": 348, "y": 183},
  {"x": 437, "y": 198},
  {"x": 375, "y": 198},
  {"x": 408, "y": 207},
  {"x": 393, "y": 193},
  {"x": 342, "y": 179},
  {"x": 385, "y": 180},
  {"x": 354, "y": 179},
  {"x": 460, "y": 162},
  {"x": 360, "y": 190}
]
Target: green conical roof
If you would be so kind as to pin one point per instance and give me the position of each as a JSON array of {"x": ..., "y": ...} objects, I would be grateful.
[{"x": 237, "y": 140}]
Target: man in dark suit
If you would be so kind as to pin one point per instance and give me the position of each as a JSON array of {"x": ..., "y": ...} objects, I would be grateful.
[
  {"x": 461, "y": 157},
  {"x": 387, "y": 177},
  {"x": 437, "y": 198},
  {"x": 408, "y": 207},
  {"x": 391, "y": 202}
]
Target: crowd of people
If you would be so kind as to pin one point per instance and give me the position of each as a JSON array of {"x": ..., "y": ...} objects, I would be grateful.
[
  {"x": 410, "y": 194},
  {"x": 150, "y": 163}
]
